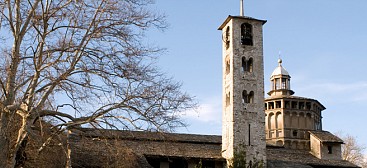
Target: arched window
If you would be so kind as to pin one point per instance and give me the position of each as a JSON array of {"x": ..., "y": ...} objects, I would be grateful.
[
  {"x": 247, "y": 97},
  {"x": 295, "y": 133},
  {"x": 244, "y": 97},
  {"x": 250, "y": 65},
  {"x": 271, "y": 123},
  {"x": 227, "y": 37},
  {"x": 279, "y": 143},
  {"x": 309, "y": 121},
  {"x": 278, "y": 121},
  {"x": 247, "y": 65},
  {"x": 244, "y": 64},
  {"x": 246, "y": 34},
  {"x": 251, "y": 97}
]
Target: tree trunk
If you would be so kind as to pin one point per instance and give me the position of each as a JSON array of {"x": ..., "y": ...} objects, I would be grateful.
[
  {"x": 4, "y": 147},
  {"x": 21, "y": 157},
  {"x": 68, "y": 154},
  {"x": 6, "y": 161}
]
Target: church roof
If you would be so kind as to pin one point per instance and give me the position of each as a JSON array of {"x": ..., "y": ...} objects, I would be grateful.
[
  {"x": 325, "y": 136},
  {"x": 280, "y": 70},
  {"x": 207, "y": 147},
  {"x": 161, "y": 144},
  {"x": 240, "y": 17},
  {"x": 294, "y": 158}
]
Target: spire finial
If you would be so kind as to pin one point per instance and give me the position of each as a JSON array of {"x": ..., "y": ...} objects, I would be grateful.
[
  {"x": 279, "y": 59},
  {"x": 280, "y": 62},
  {"x": 241, "y": 8}
]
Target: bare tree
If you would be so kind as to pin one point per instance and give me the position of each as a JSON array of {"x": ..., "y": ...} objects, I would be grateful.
[
  {"x": 81, "y": 62},
  {"x": 352, "y": 151},
  {"x": 364, "y": 164}
]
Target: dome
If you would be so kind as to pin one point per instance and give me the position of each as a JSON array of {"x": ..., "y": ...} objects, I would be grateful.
[{"x": 280, "y": 70}]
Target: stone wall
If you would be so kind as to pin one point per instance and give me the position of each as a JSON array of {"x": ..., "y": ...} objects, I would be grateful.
[
  {"x": 325, "y": 150},
  {"x": 243, "y": 122}
]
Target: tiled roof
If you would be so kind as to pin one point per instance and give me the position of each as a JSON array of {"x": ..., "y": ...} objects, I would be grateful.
[
  {"x": 161, "y": 144},
  {"x": 303, "y": 157},
  {"x": 325, "y": 136},
  {"x": 195, "y": 146},
  {"x": 150, "y": 136}
]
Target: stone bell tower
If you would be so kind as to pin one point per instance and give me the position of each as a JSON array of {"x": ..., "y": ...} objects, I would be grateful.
[{"x": 243, "y": 135}]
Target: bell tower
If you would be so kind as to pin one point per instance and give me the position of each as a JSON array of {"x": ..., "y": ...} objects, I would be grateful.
[{"x": 243, "y": 119}]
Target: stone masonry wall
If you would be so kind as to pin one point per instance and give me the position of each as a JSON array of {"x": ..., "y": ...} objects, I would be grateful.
[{"x": 243, "y": 124}]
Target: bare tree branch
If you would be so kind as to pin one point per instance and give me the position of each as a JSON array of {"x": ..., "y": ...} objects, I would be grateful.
[
  {"x": 82, "y": 64},
  {"x": 353, "y": 151}
]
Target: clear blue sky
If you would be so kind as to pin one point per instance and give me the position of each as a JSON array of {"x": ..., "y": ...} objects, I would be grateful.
[{"x": 323, "y": 45}]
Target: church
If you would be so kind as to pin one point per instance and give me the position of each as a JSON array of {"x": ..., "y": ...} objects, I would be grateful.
[{"x": 281, "y": 130}]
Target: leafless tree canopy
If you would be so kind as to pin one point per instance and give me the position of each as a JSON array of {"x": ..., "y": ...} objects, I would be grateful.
[
  {"x": 82, "y": 62},
  {"x": 353, "y": 151}
]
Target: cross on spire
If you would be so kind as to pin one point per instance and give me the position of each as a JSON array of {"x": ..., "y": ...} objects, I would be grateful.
[{"x": 241, "y": 8}]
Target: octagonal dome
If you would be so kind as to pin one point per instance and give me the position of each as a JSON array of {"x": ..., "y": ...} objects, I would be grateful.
[{"x": 280, "y": 70}]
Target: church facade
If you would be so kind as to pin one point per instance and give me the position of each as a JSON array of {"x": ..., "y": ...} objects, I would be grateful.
[{"x": 281, "y": 130}]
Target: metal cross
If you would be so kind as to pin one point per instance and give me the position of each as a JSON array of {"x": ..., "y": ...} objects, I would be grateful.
[{"x": 241, "y": 8}]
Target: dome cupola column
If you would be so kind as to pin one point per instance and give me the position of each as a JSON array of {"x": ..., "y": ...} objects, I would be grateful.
[{"x": 280, "y": 82}]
